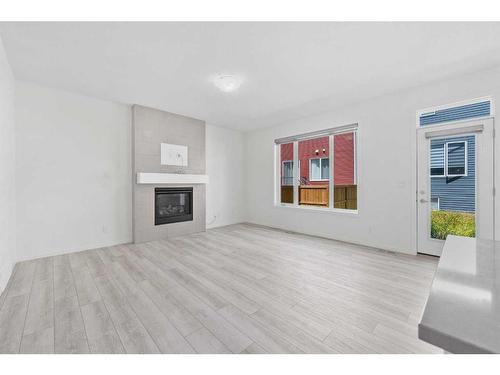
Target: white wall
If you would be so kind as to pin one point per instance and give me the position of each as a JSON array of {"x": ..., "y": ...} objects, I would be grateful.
[
  {"x": 225, "y": 167},
  {"x": 386, "y": 166},
  {"x": 7, "y": 170},
  {"x": 73, "y": 172}
]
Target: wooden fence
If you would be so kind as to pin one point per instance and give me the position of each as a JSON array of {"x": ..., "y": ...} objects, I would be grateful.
[
  {"x": 344, "y": 196},
  {"x": 286, "y": 194},
  {"x": 315, "y": 195}
]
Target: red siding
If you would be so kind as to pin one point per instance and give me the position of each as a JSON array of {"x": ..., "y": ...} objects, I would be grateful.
[
  {"x": 286, "y": 151},
  {"x": 310, "y": 149},
  {"x": 343, "y": 147},
  {"x": 318, "y": 148}
]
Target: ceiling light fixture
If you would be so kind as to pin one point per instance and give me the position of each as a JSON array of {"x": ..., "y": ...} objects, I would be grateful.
[{"x": 227, "y": 83}]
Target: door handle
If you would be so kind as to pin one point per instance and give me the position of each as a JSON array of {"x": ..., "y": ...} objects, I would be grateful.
[{"x": 423, "y": 201}]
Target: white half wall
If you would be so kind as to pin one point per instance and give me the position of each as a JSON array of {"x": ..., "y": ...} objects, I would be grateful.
[
  {"x": 386, "y": 165},
  {"x": 225, "y": 168},
  {"x": 7, "y": 171},
  {"x": 73, "y": 172}
]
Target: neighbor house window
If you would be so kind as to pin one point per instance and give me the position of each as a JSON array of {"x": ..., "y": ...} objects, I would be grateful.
[
  {"x": 437, "y": 160},
  {"x": 318, "y": 169},
  {"x": 286, "y": 173},
  {"x": 435, "y": 203},
  {"x": 448, "y": 159},
  {"x": 456, "y": 159}
]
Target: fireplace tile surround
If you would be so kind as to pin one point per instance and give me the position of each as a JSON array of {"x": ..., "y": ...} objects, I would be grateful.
[{"x": 151, "y": 127}]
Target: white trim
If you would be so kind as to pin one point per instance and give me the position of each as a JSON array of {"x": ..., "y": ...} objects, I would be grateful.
[
  {"x": 433, "y": 109},
  {"x": 331, "y": 195},
  {"x": 355, "y": 158},
  {"x": 171, "y": 178},
  {"x": 277, "y": 171},
  {"x": 296, "y": 173},
  {"x": 318, "y": 209},
  {"x": 439, "y": 134},
  {"x": 320, "y": 170},
  {"x": 318, "y": 134}
]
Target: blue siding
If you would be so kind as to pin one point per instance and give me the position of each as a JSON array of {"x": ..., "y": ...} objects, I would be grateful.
[
  {"x": 455, "y": 193},
  {"x": 456, "y": 113}
]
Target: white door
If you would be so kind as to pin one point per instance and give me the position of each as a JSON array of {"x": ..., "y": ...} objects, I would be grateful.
[{"x": 455, "y": 192}]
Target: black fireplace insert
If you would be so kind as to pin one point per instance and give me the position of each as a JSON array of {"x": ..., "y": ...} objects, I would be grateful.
[{"x": 173, "y": 205}]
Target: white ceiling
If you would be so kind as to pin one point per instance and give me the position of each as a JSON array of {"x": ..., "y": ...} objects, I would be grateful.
[{"x": 290, "y": 69}]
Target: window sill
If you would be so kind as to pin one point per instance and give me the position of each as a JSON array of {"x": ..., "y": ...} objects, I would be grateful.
[{"x": 317, "y": 209}]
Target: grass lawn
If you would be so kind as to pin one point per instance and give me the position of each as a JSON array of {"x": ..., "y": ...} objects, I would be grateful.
[{"x": 452, "y": 222}]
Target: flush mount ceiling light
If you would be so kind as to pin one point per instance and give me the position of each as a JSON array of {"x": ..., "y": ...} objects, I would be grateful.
[{"x": 227, "y": 83}]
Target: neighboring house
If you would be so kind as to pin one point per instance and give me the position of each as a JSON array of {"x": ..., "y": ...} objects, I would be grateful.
[
  {"x": 453, "y": 174},
  {"x": 314, "y": 162}
]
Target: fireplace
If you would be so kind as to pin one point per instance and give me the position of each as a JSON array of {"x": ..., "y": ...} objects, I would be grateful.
[{"x": 173, "y": 205}]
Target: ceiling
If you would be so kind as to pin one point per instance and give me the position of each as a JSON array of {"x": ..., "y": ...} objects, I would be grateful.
[{"x": 290, "y": 69}]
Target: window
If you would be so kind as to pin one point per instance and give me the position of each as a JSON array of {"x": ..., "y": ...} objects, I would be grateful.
[
  {"x": 287, "y": 173},
  {"x": 437, "y": 160},
  {"x": 319, "y": 169},
  {"x": 456, "y": 159},
  {"x": 435, "y": 203},
  {"x": 448, "y": 159}
]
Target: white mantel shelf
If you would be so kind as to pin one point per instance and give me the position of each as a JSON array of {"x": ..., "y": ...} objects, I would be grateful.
[{"x": 171, "y": 178}]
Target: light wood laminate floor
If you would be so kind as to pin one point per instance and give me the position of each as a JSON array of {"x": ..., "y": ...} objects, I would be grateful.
[{"x": 236, "y": 289}]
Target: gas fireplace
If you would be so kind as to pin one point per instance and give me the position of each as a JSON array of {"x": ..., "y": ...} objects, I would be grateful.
[{"x": 173, "y": 205}]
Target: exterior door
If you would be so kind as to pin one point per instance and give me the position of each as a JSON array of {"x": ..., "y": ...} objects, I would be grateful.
[{"x": 455, "y": 192}]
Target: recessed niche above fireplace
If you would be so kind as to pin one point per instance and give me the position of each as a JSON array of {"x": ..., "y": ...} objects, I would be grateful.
[{"x": 173, "y": 205}]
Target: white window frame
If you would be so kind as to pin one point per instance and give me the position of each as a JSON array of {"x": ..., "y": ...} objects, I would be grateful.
[
  {"x": 330, "y": 133},
  {"x": 466, "y": 159},
  {"x": 320, "y": 169},
  {"x": 445, "y": 172}
]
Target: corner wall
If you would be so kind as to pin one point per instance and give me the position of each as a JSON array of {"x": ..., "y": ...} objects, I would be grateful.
[
  {"x": 7, "y": 171},
  {"x": 75, "y": 175},
  {"x": 225, "y": 167},
  {"x": 386, "y": 165},
  {"x": 73, "y": 172}
]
